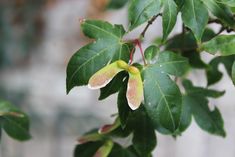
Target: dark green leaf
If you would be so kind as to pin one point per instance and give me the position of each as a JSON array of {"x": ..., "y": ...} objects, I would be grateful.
[
  {"x": 195, "y": 16},
  {"x": 224, "y": 44},
  {"x": 14, "y": 122},
  {"x": 118, "y": 151},
  {"x": 113, "y": 86},
  {"x": 141, "y": 11},
  {"x": 205, "y": 92},
  {"x": 123, "y": 107},
  {"x": 172, "y": 63},
  {"x": 108, "y": 47},
  {"x": 162, "y": 99},
  {"x": 169, "y": 17},
  {"x": 179, "y": 3},
  {"x": 233, "y": 72},
  {"x": 213, "y": 73},
  {"x": 87, "y": 149},
  {"x": 186, "y": 115},
  {"x": 144, "y": 138},
  {"x": 116, "y": 4},
  {"x": 151, "y": 52},
  {"x": 210, "y": 121},
  {"x": 221, "y": 11}
]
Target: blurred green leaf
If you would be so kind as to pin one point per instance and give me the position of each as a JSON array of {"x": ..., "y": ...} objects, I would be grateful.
[
  {"x": 141, "y": 11},
  {"x": 14, "y": 122},
  {"x": 195, "y": 16}
]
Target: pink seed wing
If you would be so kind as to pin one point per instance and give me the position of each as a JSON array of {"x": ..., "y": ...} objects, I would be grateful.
[
  {"x": 101, "y": 78},
  {"x": 110, "y": 127},
  {"x": 134, "y": 93}
]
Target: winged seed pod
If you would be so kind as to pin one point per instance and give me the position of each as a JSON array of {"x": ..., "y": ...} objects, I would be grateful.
[
  {"x": 134, "y": 93},
  {"x": 104, "y": 150},
  {"x": 105, "y": 75}
]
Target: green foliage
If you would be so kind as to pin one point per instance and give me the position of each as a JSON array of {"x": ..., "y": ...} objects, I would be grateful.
[
  {"x": 14, "y": 122},
  {"x": 141, "y": 11},
  {"x": 166, "y": 107}
]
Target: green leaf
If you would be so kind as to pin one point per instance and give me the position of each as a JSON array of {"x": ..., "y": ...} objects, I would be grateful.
[
  {"x": 87, "y": 149},
  {"x": 151, "y": 52},
  {"x": 113, "y": 86},
  {"x": 179, "y": 3},
  {"x": 221, "y": 11},
  {"x": 116, "y": 4},
  {"x": 187, "y": 46},
  {"x": 205, "y": 92},
  {"x": 169, "y": 17},
  {"x": 233, "y": 72},
  {"x": 172, "y": 63},
  {"x": 210, "y": 121},
  {"x": 107, "y": 48},
  {"x": 195, "y": 16},
  {"x": 162, "y": 99},
  {"x": 144, "y": 138},
  {"x": 186, "y": 115},
  {"x": 224, "y": 44},
  {"x": 14, "y": 122},
  {"x": 123, "y": 107},
  {"x": 118, "y": 151},
  {"x": 141, "y": 11},
  {"x": 230, "y": 3},
  {"x": 213, "y": 73}
]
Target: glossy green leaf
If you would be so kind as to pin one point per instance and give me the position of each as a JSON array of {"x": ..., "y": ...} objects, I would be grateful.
[
  {"x": 107, "y": 47},
  {"x": 116, "y": 4},
  {"x": 179, "y": 3},
  {"x": 171, "y": 63},
  {"x": 221, "y": 11},
  {"x": 169, "y": 17},
  {"x": 150, "y": 53},
  {"x": 195, "y": 16},
  {"x": 88, "y": 149},
  {"x": 223, "y": 44},
  {"x": 14, "y": 122},
  {"x": 162, "y": 99},
  {"x": 141, "y": 11},
  {"x": 233, "y": 72},
  {"x": 144, "y": 138}
]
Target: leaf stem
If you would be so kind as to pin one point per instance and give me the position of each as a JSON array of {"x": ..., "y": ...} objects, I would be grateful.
[{"x": 141, "y": 50}]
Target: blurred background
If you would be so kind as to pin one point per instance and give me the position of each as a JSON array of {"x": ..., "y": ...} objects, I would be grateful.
[{"x": 37, "y": 39}]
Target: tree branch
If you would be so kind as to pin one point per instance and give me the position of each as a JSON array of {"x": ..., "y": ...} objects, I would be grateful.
[{"x": 149, "y": 23}]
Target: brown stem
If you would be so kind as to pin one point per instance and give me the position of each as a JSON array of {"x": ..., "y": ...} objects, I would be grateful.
[{"x": 149, "y": 23}]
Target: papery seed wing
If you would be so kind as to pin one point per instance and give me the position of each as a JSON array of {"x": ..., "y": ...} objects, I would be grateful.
[
  {"x": 134, "y": 93},
  {"x": 104, "y": 76}
]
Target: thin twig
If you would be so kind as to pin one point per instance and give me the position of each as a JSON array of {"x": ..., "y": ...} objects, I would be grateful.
[{"x": 149, "y": 23}]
